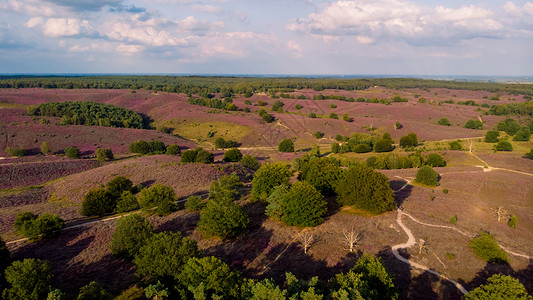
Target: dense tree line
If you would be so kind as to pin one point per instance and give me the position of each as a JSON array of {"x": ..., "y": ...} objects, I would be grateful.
[{"x": 89, "y": 113}]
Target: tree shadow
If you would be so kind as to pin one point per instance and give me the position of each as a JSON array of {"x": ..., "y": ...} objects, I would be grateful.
[
  {"x": 421, "y": 287},
  {"x": 184, "y": 224},
  {"x": 400, "y": 196},
  {"x": 400, "y": 270}
]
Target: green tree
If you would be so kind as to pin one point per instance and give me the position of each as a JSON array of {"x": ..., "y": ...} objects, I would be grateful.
[
  {"x": 223, "y": 218},
  {"x": 189, "y": 156},
  {"x": 163, "y": 256},
  {"x": 250, "y": 162},
  {"x": 427, "y": 176},
  {"x": 364, "y": 188},
  {"x": 444, "y": 122},
  {"x": 510, "y": 126},
  {"x": 173, "y": 150},
  {"x": 318, "y": 134},
  {"x": 333, "y": 115},
  {"x": 529, "y": 154},
  {"x": 141, "y": 147},
  {"x": 473, "y": 124},
  {"x": 275, "y": 202},
  {"x": 45, "y": 148},
  {"x": 383, "y": 145},
  {"x": 42, "y": 227},
  {"x": 523, "y": 135},
  {"x": 232, "y": 155},
  {"x": 435, "y": 160},
  {"x": 98, "y": 203},
  {"x": 194, "y": 203},
  {"x": 28, "y": 279},
  {"x": 321, "y": 173},
  {"x": 455, "y": 145},
  {"x": 492, "y": 136},
  {"x": 409, "y": 140},
  {"x": 157, "y": 147},
  {"x": 104, "y": 154},
  {"x": 56, "y": 294},
  {"x": 346, "y": 118},
  {"x": 156, "y": 291},
  {"x": 486, "y": 247},
  {"x": 158, "y": 196},
  {"x": 93, "y": 291},
  {"x": 16, "y": 152},
  {"x": 126, "y": 202},
  {"x": 131, "y": 233},
  {"x": 118, "y": 185},
  {"x": 499, "y": 286},
  {"x": 503, "y": 146},
  {"x": 211, "y": 278},
  {"x": 513, "y": 221},
  {"x": 265, "y": 289},
  {"x": 5, "y": 257},
  {"x": 303, "y": 206},
  {"x": 203, "y": 156},
  {"x": 72, "y": 152},
  {"x": 286, "y": 145},
  {"x": 269, "y": 176},
  {"x": 335, "y": 148}
]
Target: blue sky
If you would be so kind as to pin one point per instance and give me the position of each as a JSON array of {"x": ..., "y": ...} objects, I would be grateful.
[{"x": 267, "y": 37}]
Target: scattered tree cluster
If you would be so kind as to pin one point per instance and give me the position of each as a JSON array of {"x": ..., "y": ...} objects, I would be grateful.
[{"x": 197, "y": 155}]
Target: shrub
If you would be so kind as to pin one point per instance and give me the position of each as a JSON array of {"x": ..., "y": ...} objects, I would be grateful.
[
  {"x": 435, "y": 160},
  {"x": 445, "y": 191},
  {"x": 248, "y": 102},
  {"x": 335, "y": 148},
  {"x": 93, "y": 291},
  {"x": 398, "y": 125},
  {"x": 246, "y": 110},
  {"x": 158, "y": 196},
  {"x": 523, "y": 135},
  {"x": 486, "y": 248},
  {"x": 141, "y": 147},
  {"x": 362, "y": 187},
  {"x": 473, "y": 124},
  {"x": 277, "y": 105},
  {"x": 444, "y": 122},
  {"x": 492, "y": 136},
  {"x": 232, "y": 155},
  {"x": 499, "y": 286},
  {"x": 16, "y": 152},
  {"x": 225, "y": 188},
  {"x": 529, "y": 154},
  {"x": 453, "y": 219},
  {"x": 157, "y": 147},
  {"x": 118, "y": 185},
  {"x": 346, "y": 118},
  {"x": 303, "y": 206},
  {"x": 298, "y": 106},
  {"x": 173, "y": 150},
  {"x": 98, "y": 203},
  {"x": 194, "y": 203},
  {"x": 503, "y": 146},
  {"x": 409, "y": 140},
  {"x": 508, "y": 125},
  {"x": 362, "y": 148},
  {"x": 104, "y": 154},
  {"x": 223, "y": 218},
  {"x": 204, "y": 157},
  {"x": 321, "y": 173},
  {"x": 333, "y": 115},
  {"x": 126, "y": 202},
  {"x": 45, "y": 148},
  {"x": 318, "y": 134},
  {"x": 383, "y": 145},
  {"x": 427, "y": 176},
  {"x": 250, "y": 162},
  {"x": 312, "y": 115},
  {"x": 512, "y": 221},
  {"x": 268, "y": 118},
  {"x": 72, "y": 152},
  {"x": 455, "y": 145},
  {"x": 221, "y": 143},
  {"x": 275, "y": 201},
  {"x": 189, "y": 156},
  {"x": 286, "y": 145},
  {"x": 38, "y": 227},
  {"x": 29, "y": 279},
  {"x": 131, "y": 232},
  {"x": 269, "y": 176},
  {"x": 163, "y": 255}
]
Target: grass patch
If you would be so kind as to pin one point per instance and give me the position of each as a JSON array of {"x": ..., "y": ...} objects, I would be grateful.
[
  {"x": 349, "y": 210},
  {"x": 208, "y": 131},
  {"x": 20, "y": 190},
  {"x": 12, "y": 105},
  {"x": 487, "y": 249},
  {"x": 450, "y": 256}
]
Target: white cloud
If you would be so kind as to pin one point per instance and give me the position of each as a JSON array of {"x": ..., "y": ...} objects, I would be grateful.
[
  {"x": 295, "y": 49},
  {"x": 129, "y": 49},
  {"x": 57, "y": 27},
  {"x": 29, "y": 7},
  {"x": 34, "y": 22},
  {"x": 370, "y": 21}
]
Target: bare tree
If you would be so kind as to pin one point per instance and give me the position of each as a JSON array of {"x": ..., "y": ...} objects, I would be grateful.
[
  {"x": 500, "y": 213},
  {"x": 351, "y": 238},
  {"x": 422, "y": 245},
  {"x": 307, "y": 239}
]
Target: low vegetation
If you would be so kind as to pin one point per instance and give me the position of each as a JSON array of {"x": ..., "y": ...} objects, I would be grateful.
[{"x": 487, "y": 249}]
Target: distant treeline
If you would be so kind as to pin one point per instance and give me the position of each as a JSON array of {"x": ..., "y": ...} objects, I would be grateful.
[
  {"x": 90, "y": 113},
  {"x": 520, "y": 109},
  {"x": 229, "y": 86}
]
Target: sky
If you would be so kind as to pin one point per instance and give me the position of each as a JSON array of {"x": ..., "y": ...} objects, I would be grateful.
[{"x": 301, "y": 37}]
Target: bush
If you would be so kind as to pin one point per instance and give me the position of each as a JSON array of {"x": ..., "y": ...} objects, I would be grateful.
[
  {"x": 35, "y": 227},
  {"x": 510, "y": 126},
  {"x": 473, "y": 124},
  {"x": 523, "y": 135},
  {"x": 246, "y": 110},
  {"x": 499, "y": 286},
  {"x": 173, "y": 150},
  {"x": 512, "y": 221},
  {"x": 346, "y": 118},
  {"x": 298, "y": 106},
  {"x": 318, "y": 134},
  {"x": 335, "y": 148},
  {"x": 126, "y": 202},
  {"x": 141, "y": 147},
  {"x": 16, "y": 152},
  {"x": 223, "y": 218},
  {"x": 194, "y": 203},
  {"x": 312, "y": 115},
  {"x": 232, "y": 155},
  {"x": 45, "y": 148},
  {"x": 444, "y": 122},
  {"x": 118, "y": 185},
  {"x": 409, "y": 140},
  {"x": 277, "y": 105},
  {"x": 98, "y": 203},
  {"x": 131, "y": 232},
  {"x": 267, "y": 118},
  {"x": 492, "y": 136},
  {"x": 529, "y": 154},
  {"x": 30, "y": 279},
  {"x": 104, "y": 154},
  {"x": 269, "y": 176},
  {"x": 198, "y": 155},
  {"x": 164, "y": 255},
  {"x": 250, "y": 162},
  {"x": 72, "y": 152},
  {"x": 383, "y": 145},
  {"x": 303, "y": 206},
  {"x": 427, "y": 176},
  {"x": 221, "y": 143},
  {"x": 286, "y": 145},
  {"x": 486, "y": 248},
  {"x": 189, "y": 156},
  {"x": 364, "y": 188},
  {"x": 455, "y": 145},
  {"x": 225, "y": 188},
  {"x": 158, "y": 196},
  {"x": 503, "y": 146},
  {"x": 362, "y": 148},
  {"x": 435, "y": 160},
  {"x": 453, "y": 219},
  {"x": 333, "y": 115},
  {"x": 321, "y": 173},
  {"x": 93, "y": 291}
]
